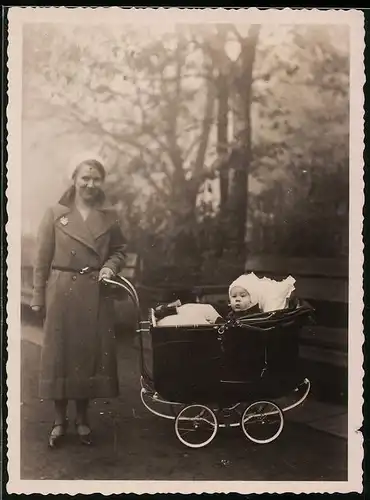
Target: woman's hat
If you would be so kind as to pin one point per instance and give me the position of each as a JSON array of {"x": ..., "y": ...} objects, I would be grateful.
[{"x": 83, "y": 157}]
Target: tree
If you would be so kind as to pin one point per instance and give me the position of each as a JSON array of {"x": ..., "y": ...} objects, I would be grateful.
[
  {"x": 301, "y": 143},
  {"x": 180, "y": 117},
  {"x": 242, "y": 152},
  {"x": 146, "y": 103}
]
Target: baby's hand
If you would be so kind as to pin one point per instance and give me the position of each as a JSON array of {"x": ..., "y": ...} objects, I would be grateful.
[{"x": 211, "y": 319}]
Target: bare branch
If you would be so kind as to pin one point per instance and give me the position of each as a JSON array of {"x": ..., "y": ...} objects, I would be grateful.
[
  {"x": 189, "y": 150},
  {"x": 236, "y": 33},
  {"x": 102, "y": 89},
  {"x": 173, "y": 112},
  {"x": 145, "y": 128},
  {"x": 140, "y": 162}
]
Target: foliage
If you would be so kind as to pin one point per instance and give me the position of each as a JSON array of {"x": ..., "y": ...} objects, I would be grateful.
[
  {"x": 151, "y": 100},
  {"x": 308, "y": 137}
]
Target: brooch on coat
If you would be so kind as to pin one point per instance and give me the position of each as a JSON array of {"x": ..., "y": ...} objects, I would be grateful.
[{"x": 64, "y": 221}]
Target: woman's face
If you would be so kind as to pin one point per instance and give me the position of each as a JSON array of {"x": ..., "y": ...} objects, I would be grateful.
[
  {"x": 88, "y": 182},
  {"x": 240, "y": 300}
]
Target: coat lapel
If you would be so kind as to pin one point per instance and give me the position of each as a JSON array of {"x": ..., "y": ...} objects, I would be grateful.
[
  {"x": 99, "y": 222},
  {"x": 71, "y": 223}
]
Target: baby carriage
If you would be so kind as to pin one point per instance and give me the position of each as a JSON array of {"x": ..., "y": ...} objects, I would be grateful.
[{"x": 207, "y": 377}]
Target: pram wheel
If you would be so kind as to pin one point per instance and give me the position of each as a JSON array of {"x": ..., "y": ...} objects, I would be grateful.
[
  {"x": 196, "y": 426},
  {"x": 262, "y": 422}
]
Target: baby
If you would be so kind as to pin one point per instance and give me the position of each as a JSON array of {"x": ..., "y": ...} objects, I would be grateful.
[
  {"x": 248, "y": 295},
  {"x": 244, "y": 297}
]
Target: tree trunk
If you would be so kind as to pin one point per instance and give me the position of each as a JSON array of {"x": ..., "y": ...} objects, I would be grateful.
[
  {"x": 221, "y": 63},
  {"x": 222, "y": 139},
  {"x": 241, "y": 157},
  {"x": 222, "y": 150}
]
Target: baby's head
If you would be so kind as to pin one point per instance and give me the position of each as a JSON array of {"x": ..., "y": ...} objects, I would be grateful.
[
  {"x": 240, "y": 299},
  {"x": 243, "y": 292}
]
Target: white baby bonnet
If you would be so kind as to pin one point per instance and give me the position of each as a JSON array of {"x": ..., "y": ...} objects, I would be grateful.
[
  {"x": 249, "y": 282},
  {"x": 270, "y": 295}
]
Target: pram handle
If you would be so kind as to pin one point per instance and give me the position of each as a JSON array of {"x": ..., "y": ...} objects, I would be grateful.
[
  {"x": 128, "y": 287},
  {"x": 125, "y": 285}
]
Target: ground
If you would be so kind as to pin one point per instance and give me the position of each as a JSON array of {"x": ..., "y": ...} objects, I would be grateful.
[{"x": 131, "y": 443}]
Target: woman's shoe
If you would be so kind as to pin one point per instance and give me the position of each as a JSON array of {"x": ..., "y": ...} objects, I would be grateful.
[
  {"x": 84, "y": 433},
  {"x": 58, "y": 432}
]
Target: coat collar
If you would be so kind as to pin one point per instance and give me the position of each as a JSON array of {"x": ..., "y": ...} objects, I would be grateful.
[
  {"x": 68, "y": 199},
  {"x": 100, "y": 220}
]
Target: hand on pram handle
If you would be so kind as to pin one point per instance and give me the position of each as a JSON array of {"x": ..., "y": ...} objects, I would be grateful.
[{"x": 115, "y": 285}]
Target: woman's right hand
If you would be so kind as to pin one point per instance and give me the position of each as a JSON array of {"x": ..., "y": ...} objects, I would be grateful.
[{"x": 36, "y": 309}]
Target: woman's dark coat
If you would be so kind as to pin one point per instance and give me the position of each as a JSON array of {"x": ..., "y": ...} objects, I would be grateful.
[{"x": 79, "y": 354}]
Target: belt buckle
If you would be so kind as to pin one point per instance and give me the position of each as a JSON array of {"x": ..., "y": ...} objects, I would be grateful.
[{"x": 84, "y": 270}]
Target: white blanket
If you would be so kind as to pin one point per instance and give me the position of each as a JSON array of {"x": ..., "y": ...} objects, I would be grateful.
[{"x": 191, "y": 314}]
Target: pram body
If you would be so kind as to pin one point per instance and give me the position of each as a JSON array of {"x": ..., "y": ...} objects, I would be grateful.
[{"x": 224, "y": 375}]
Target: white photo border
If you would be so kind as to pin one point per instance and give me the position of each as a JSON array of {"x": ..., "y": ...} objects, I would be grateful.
[{"x": 18, "y": 16}]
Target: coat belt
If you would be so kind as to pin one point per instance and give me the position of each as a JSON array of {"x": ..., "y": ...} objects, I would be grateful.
[{"x": 83, "y": 270}]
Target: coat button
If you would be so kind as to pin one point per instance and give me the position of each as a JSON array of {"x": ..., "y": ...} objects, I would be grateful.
[
  {"x": 74, "y": 278},
  {"x": 73, "y": 252}
]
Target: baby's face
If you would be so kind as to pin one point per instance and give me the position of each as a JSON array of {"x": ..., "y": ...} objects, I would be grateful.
[{"x": 240, "y": 300}]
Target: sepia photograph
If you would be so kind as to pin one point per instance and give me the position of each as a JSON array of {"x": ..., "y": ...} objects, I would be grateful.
[{"x": 185, "y": 192}]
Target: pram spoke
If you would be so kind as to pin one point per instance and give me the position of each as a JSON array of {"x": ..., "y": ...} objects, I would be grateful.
[
  {"x": 262, "y": 422},
  {"x": 196, "y": 426}
]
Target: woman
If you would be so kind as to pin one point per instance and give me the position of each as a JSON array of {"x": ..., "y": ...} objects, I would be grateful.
[{"x": 79, "y": 244}]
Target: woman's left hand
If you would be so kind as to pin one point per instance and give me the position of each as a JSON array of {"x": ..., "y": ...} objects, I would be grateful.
[{"x": 106, "y": 272}]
